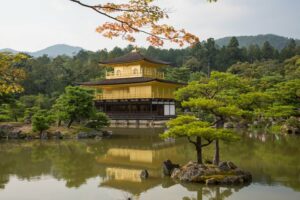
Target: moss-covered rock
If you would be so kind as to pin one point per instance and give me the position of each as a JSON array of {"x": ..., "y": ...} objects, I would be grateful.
[{"x": 226, "y": 173}]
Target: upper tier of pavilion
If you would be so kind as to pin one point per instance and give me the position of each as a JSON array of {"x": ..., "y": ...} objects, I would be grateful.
[{"x": 134, "y": 65}]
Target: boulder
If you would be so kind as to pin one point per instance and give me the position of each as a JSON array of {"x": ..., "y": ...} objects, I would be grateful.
[
  {"x": 288, "y": 129},
  {"x": 44, "y": 136},
  {"x": 57, "y": 135},
  {"x": 168, "y": 167},
  {"x": 223, "y": 166},
  {"x": 89, "y": 135},
  {"x": 231, "y": 165},
  {"x": 227, "y": 173},
  {"x": 107, "y": 134},
  {"x": 175, "y": 173},
  {"x": 226, "y": 166},
  {"x": 15, "y": 135}
]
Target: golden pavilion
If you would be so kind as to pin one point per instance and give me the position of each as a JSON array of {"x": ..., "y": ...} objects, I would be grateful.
[{"x": 135, "y": 89}]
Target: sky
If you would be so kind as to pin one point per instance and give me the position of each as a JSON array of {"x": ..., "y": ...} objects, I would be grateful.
[{"x": 30, "y": 25}]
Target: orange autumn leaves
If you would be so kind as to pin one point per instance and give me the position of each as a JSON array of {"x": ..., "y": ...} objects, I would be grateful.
[
  {"x": 139, "y": 16},
  {"x": 10, "y": 73}
]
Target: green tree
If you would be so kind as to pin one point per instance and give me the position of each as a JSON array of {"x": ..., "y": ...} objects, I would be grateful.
[
  {"x": 75, "y": 103},
  {"x": 98, "y": 121},
  {"x": 180, "y": 74},
  {"x": 267, "y": 51},
  {"x": 199, "y": 133},
  {"x": 41, "y": 121},
  {"x": 16, "y": 110},
  {"x": 214, "y": 100},
  {"x": 193, "y": 64},
  {"x": 286, "y": 93},
  {"x": 254, "y": 53},
  {"x": 289, "y": 51},
  {"x": 233, "y": 52}
]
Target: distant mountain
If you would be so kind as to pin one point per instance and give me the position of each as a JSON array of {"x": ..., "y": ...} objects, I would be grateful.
[
  {"x": 56, "y": 50},
  {"x": 52, "y": 51},
  {"x": 276, "y": 41}
]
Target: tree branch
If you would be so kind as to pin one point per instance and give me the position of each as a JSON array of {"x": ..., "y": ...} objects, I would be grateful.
[
  {"x": 96, "y": 9},
  {"x": 191, "y": 141},
  {"x": 208, "y": 143}
]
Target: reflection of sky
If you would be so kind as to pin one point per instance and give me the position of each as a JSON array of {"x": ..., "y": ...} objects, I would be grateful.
[
  {"x": 48, "y": 188},
  {"x": 34, "y": 24}
]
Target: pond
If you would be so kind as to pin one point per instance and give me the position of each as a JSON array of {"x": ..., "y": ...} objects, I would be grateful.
[{"x": 109, "y": 169}]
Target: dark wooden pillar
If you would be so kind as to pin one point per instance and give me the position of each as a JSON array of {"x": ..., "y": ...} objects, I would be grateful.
[{"x": 151, "y": 113}]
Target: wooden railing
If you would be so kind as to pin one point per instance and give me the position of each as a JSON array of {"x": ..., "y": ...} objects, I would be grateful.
[
  {"x": 143, "y": 73},
  {"x": 133, "y": 96}
]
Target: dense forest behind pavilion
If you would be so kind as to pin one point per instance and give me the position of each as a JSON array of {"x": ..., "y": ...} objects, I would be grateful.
[{"x": 40, "y": 81}]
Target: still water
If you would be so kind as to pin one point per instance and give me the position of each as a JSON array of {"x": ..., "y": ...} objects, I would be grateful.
[{"x": 109, "y": 169}]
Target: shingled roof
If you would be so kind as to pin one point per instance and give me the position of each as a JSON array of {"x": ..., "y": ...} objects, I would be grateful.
[
  {"x": 127, "y": 81},
  {"x": 133, "y": 57}
]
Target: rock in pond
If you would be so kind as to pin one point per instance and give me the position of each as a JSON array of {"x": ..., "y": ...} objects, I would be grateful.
[
  {"x": 227, "y": 166},
  {"x": 168, "y": 167},
  {"x": 227, "y": 173},
  {"x": 93, "y": 135}
]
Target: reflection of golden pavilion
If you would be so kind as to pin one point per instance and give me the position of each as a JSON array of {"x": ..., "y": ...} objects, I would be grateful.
[
  {"x": 120, "y": 174},
  {"x": 124, "y": 166}
]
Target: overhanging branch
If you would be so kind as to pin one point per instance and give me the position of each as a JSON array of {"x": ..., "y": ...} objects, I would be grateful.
[{"x": 97, "y": 7}]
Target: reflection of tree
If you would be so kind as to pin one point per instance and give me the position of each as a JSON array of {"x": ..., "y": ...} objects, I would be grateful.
[
  {"x": 210, "y": 192},
  {"x": 71, "y": 162},
  {"x": 66, "y": 160},
  {"x": 269, "y": 160}
]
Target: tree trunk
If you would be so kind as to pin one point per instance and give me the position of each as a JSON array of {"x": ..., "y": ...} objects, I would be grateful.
[
  {"x": 217, "y": 153},
  {"x": 199, "y": 150},
  {"x": 41, "y": 132},
  {"x": 70, "y": 123},
  {"x": 220, "y": 124},
  {"x": 59, "y": 123}
]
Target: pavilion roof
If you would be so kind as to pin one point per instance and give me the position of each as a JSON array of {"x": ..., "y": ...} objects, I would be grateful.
[
  {"x": 128, "y": 81},
  {"x": 133, "y": 57}
]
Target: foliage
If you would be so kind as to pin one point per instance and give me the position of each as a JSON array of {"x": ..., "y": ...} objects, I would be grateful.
[
  {"x": 75, "y": 104},
  {"x": 292, "y": 67},
  {"x": 293, "y": 122},
  {"x": 11, "y": 73},
  {"x": 50, "y": 76},
  {"x": 98, "y": 121},
  {"x": 191, "y": 127},
  {"x": 287, "y": 92},
  {"x": 41, "y": 121},
  {"x": 276, "y": 86},
  {"x": 137, "y": 16},
  {"x": 217, "y": 97}
]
